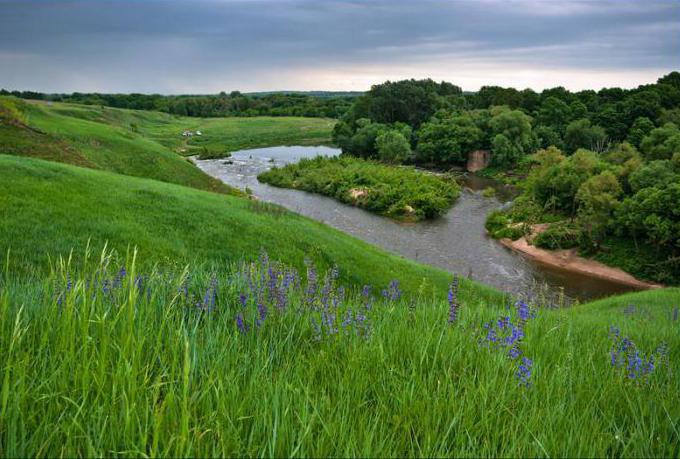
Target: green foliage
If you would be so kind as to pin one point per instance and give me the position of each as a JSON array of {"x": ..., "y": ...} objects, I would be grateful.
[
  {"x": 554, "y": 113},
  {"x": 581, "y": 134},
  {"x": 448, "y": 125},
  {"x": 402, "y": 193},
  {"x": 554, "y": 186},
  {"x": 500, "y": 226},
  {"x": 512, "y": 137},
  {"x": 547, "y": 137},
  {"x": 447, "y": 140},
  {"x": 598, "y": 200},
  {"x": 653, "y": 174},
  {"x": 409, "y": 101},
  {"x": 609, "y": 199},
  {"x": 662, "y": 142},
  {"x": 561, "y": 235},
  {"x": 393, "y": 147},
  {"x": 319, "y": 104},
  {"x": 639, "y": 130}
]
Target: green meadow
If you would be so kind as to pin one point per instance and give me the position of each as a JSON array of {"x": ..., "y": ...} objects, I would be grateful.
[
  {"x": 142, "y": 143},
  {"x": 253, "y": 360}
]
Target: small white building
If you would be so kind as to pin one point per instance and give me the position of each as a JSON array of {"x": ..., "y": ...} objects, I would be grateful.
[{"x": 199, "y": 133}]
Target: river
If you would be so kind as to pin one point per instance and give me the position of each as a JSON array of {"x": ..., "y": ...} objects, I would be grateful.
[{"x": 456, "y": 242}]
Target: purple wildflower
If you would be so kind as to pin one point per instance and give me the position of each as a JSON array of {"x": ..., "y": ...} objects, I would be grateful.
[
  {"x": 453, "y": 300},
  {"x": 392, "y": 293},
  {"x": 240, "y": 323},
  {"x": 262, "y": 311},
  {"x": 523, "y": 312},
  {"x": 514, "y": 352},
  {"x": 524, "y": 372},
  {"x": 118, "y": 280}
]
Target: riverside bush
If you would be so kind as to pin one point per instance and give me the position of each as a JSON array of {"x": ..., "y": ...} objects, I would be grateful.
[{"x": 559, "y": 236}]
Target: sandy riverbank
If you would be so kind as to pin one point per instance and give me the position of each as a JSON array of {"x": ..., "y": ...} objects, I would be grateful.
[{"x": 570, "y": 261}]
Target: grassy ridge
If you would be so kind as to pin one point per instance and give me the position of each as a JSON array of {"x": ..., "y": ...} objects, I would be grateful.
[
  {"x": 49, "y": 208},
  {"x": 140, "y": 143},
  {"x": 98, "y": 361}
]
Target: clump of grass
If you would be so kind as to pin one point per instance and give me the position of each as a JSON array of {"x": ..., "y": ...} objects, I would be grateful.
[{"x": 256, "y": 359}]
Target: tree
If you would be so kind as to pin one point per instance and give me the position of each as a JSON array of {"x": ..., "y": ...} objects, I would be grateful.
[
  {"x": 547, "y": 136},
  {"x": 554, "y": 113},
  {"x": 578, "y": 110},
  {"x": 409, "y": 101},
  {"x": 640, "y": 129},
  {"x": 448, "y": 140},
  {"x": 393, "y": 147},
  {"x": 662, "y": 142},
  {"x": 555, "y": 182},
  {"x": 582, "y": 134},
  {"x": 654, "y": 173},
  {"x": 612, "y": 118},
  {"x": 645, "y": 104},
  {"x": 598, "y": 200},
  {"x": 655, "y": 214},
  {"x": 512, "y": 136},
  {"x": 362, "y": 143}
]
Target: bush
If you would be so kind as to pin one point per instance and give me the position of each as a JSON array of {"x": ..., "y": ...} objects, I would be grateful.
[
  {"x": 500, "y": 226},
  {"x": 559, "y": 236}
]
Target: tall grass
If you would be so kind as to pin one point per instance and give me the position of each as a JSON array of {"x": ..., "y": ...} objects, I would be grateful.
[{"x": 100, "y": 359}]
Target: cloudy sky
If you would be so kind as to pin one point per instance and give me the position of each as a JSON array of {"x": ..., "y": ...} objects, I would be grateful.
[{"x": 206, "y": 46}]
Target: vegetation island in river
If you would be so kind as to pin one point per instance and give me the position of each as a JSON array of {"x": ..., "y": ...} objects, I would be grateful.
[{"x": 401, "y": 193}]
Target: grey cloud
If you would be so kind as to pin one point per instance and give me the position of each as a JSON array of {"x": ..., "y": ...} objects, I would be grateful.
[{"x": 181, "y": 45}]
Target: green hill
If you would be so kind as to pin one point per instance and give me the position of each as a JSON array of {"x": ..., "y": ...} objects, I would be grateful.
[
  {"x": 141, "y": 143},
  {"x": 49, "y": 208}
]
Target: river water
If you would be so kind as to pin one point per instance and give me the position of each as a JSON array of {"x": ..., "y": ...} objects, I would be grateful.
[{"x": 456, "y": 242}]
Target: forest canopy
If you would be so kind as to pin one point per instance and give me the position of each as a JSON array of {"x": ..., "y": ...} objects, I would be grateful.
[{"x": 447, "y": 124}]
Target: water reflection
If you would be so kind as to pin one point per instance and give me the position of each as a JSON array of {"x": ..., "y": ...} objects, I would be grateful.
[{"x": 456, "y": 242}]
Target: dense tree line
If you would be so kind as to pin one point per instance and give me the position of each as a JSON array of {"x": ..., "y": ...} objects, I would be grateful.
[
  {"x": 622, "y": 205},
  {"x": 442, "y": 125},
  {"x": 326, "y": 105},
  {"x": 602, "y": 167}
]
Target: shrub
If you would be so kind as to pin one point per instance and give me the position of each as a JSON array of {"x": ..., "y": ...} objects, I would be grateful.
[{"x": 559, "y": 236}]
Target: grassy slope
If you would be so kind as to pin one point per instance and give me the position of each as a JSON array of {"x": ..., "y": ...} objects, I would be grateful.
[
  {"x": 109, "y": 368},
  {"x": 52, "y": 208},
  {"x": 143, "y": 144}
]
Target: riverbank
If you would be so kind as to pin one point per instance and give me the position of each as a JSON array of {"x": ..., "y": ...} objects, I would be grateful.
[{"x": 569, "y": 260}]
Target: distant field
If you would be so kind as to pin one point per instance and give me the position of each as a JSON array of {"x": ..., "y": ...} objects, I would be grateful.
[
  {"x": 142, "y": 143},
  {"x": 220, "y": 136}
]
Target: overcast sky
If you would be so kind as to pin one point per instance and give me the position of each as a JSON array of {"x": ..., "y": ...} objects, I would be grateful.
[{"x": 206, "y": 46}]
